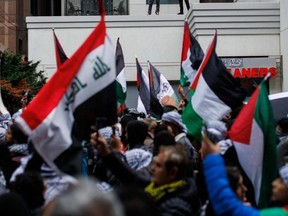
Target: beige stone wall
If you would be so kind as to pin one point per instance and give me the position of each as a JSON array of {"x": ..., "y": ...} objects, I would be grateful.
[{"x": 8, "y": 24}]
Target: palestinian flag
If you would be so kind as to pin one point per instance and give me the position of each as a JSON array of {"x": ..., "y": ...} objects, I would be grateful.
[
  {"x": 121, "y": 87},
  {"x": 82, "y": 89},
  {"x": 214, "y": 91},
  {"x": 61, "y": 56},
  {"x": 253, "y": 135},
  {"x": 159, "y": 88},
  {"x": 191, "y": 57},
  {"x": 142, "y": 82}
]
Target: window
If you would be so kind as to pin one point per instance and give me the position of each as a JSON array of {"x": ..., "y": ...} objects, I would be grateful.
[
  {"x": 166, "y": 1},
  {"x": 216, "y": 1},
  {"x": 90, "y": 7}
]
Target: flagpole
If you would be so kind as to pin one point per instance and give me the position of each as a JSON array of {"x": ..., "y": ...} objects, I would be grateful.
[{"x": 268, "y": 76}]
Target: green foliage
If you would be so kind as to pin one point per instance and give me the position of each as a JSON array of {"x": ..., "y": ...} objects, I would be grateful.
[{"x": 17, "y": 76}]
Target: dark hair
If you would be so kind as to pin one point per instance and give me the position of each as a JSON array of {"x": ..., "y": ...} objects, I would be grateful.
[
  {"x": 136, "y": 202},
  {"x": 283, "y": 123},
  {"x": 30, "y": 186},
  {"x": 159, "y": 128},
  {"x": 13, "y": 204},
  {"x": 177, "y": 158},
  {"x": 233, "y": 174},
  {"x": 17, "y": 134},
  {"x": 163, "y": 138},
  {"x": 137, "y": 132}
]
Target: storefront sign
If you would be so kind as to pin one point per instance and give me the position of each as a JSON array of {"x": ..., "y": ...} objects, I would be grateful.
[{"x": 250, "y": 67}]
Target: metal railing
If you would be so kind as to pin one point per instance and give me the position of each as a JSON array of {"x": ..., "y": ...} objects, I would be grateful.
[{"x": 90, "y": 7}]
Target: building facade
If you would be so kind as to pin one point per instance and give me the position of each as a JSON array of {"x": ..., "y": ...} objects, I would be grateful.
[
  {"x": 13, "y": 31},
  {"x": 252, "y": 34}
]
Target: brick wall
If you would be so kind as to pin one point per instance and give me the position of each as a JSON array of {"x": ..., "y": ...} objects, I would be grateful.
[{"x": 13, "y": 32}]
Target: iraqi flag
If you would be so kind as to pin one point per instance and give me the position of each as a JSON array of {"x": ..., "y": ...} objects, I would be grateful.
[
  {"x": 160, "y": 89},
  {"x": 191, "y": 57},
  {"x": 121, "y": 86},
  {"x": 253, "y": 135},
  {"x": 61, "y": 56},
  {"x": 143, "y": 104},
  {"x": 82, "y": 89},
  {"x": 214, "y": 91}
]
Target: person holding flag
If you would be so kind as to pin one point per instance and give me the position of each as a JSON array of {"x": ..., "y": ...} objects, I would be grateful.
[
  {"x": 214, "y": 93},
  {"x": 253, "y": 137},
  {"x": 57, "y": 123},
  {"x": 224, "y": 200}
]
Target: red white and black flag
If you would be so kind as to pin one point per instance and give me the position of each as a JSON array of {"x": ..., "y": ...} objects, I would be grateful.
[
  {"x": 143, "y": 90},
  {"x": 155, "y": 91},
  {"x": 191, "y": 58},
  {"x": 83, "y": 89},
  {"x": 61, "y": 56},
  {"x": 121, "y": 85}
]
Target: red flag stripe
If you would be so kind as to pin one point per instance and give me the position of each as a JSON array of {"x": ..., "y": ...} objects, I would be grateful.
[
  {"x": 204, "y": 62},
  {"x": 186, "y": 41},
  {"x": 241, "y": 128}
]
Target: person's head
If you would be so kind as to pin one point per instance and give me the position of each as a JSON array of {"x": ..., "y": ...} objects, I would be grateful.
[
  {"x": 31, "y": 187},
  {"x": 152, "y": 123},
  {"x": 136, "y": 132},
  {"x": 280, "y": 187},
  {"x": 173, "y": 120},
  {"x": 170, "y": 165},
  {"x": 85, "y": 199},
  {"x": 236, "y": 182},
  {"x": 162, "y": 127},
  {"x": 15, "y": 135},
  {"x": 282, "y": 125},
  {"x": 13, "y": 204},
  {"x": 281, "y": 129},
  {"x": 163, "y": 138},
  {"x": 135, "y": 201}
]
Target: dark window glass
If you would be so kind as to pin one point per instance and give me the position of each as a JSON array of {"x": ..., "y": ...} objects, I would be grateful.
[
  {"x": 216, "y": 1},
  {"x": 166, "y": 1}
]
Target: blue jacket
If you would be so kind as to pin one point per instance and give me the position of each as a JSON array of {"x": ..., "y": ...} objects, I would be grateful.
[{"x": 222, "y": 197}]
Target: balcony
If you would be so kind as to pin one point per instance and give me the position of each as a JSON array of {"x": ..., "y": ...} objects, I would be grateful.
[{"x": 90, "y": 7}]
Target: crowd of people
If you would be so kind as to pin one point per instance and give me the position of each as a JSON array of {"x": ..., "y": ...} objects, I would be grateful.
[{"x": 139, "y": 166}]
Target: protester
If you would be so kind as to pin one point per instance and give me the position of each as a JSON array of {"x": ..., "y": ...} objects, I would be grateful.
[
  {"x": 152, "y": 123},
  {"x": 282, "y": 152},
  {"x": 172, "y": 190},
  {"x": 162, "y": 138},
  {"x": 129, "y": 115},
  {"x": 85, "y": 199},
  {"x": 138, "y": 155},
  {"x": 236, "y": 183},
  {"x": 157, "y": 7},
  {"x": 100, "y": 170},
  {"x": 281, "y": 129},
  {"x": 181, "y": 6},
  {"x": 224, "y": 200},
  {"x": 5, "y": 123},
  {"x": 31, "y": 187},
  {"x": 12, "y": 149},
  {"x": 25, "y": 100},
  {"x": 12, "y": 204},
  {"x": 173, "y": 120},
  {"x": 136, "y": 202}
]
